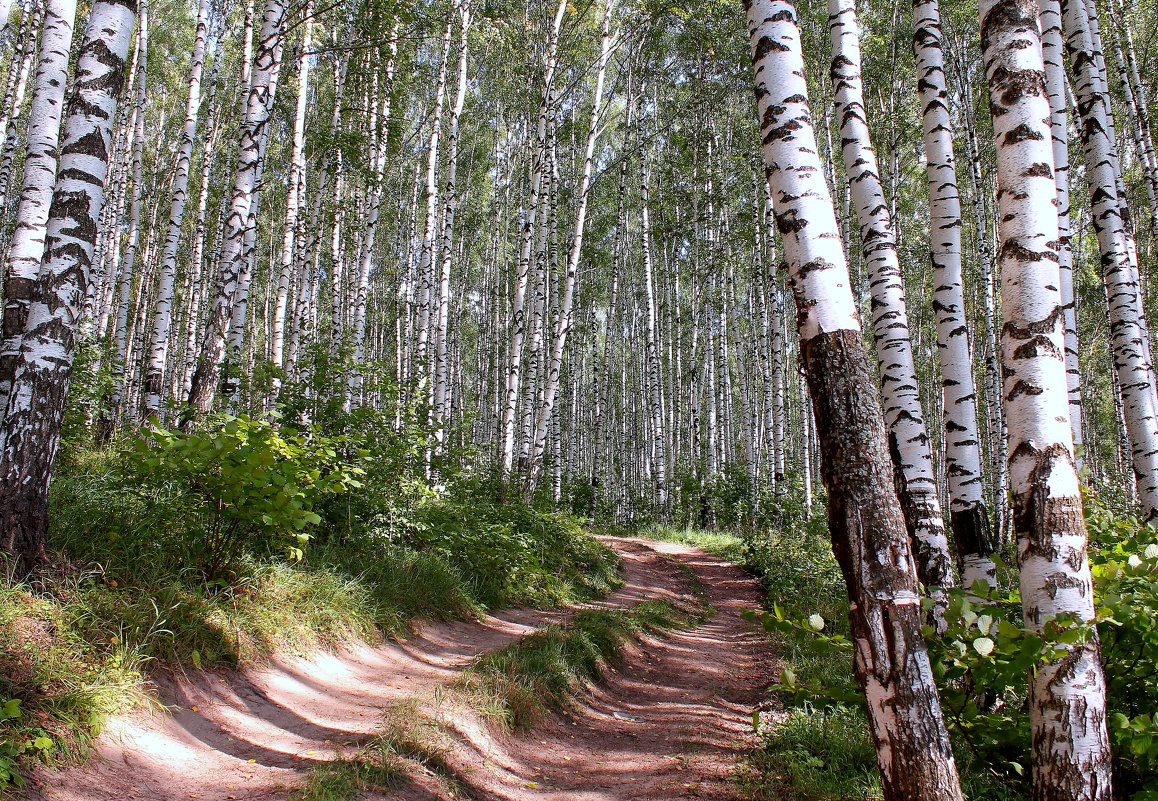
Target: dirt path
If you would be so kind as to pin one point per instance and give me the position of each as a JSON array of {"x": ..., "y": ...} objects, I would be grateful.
[{"x": 667, "y": 723}]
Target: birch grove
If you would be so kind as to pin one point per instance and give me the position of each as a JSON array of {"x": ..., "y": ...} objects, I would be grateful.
[{"x": 560, "y": 253}]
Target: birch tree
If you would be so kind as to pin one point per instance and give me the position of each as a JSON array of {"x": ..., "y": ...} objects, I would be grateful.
[
  {"x": 31, "y": 427},
  {"x": 1067, "y": 700},
  {"x": 975, "y": 539},
  {"x": 258, "y": 102},
  {"x": 865, "y": 518},
  {"x": 27, "y": 247},
  {"x": 1130, "y": 348},
  {"x": 163, "y": 306}
]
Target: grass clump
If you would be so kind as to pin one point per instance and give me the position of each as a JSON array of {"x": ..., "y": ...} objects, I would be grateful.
[
  {"x": 815, "y": 755},
  {"x": 56, "y": 685},
  {"x": 520, "y": 683},
  {"x": 410, "y": 742}
]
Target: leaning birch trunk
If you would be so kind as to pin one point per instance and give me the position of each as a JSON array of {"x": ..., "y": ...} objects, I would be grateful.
[
  {"x": 908, "y": 438},
  {"x": 563, "y": 321},
  {"x": 163, "y": 306},
  {"x": 865, "y": 518},
  {"x": 972, "y": 533},
  {"x": 31, "y": 427},
  {"x": 1067, "y": 700},
  {"x": 1139, "y": 127},
  {"x": 27, "y": 247},
  {"x": 259, "y": 97},
  {"x": 1129, "y": 347}
]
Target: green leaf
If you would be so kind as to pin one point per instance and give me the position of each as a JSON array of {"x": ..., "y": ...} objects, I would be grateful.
[{"x": 983, "y": 646}]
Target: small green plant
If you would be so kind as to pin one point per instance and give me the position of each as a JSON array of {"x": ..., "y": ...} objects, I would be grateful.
[
  {"x": 17, "y": 740},
  {"x": 1124, "y": 562},
  {"x": 814, "y": 755},
  {"x": 241, "y": 485}
]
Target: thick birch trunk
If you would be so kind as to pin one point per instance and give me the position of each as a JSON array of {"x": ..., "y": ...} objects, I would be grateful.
[
  {"x": 1067, "y": 703},
  {"x": 27, "y": 247},
  {"x": 865, "y": 517},
  {"x": 31, "y": 430}
]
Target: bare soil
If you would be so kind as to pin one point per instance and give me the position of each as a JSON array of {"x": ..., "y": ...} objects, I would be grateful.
[{"x": 671, "y": 720}]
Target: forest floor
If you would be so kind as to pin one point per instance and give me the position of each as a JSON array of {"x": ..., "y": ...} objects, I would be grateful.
[{"x": 670, "y": 719}]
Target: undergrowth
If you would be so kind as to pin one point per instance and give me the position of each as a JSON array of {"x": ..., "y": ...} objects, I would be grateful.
[
  {"x": 133, "y": 587},
  {"x": 818, "y": 747}
]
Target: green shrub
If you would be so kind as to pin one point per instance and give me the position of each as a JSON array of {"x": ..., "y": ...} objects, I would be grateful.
[
  {"x": 513, "y": 553},
  {"x": 239, "y": 486}
]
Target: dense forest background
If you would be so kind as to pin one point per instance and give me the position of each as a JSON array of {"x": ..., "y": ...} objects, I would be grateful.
[{"x": 385, "y": 303}]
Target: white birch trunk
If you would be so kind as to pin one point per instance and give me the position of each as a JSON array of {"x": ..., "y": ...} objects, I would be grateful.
[
  {"x": 564, "y": 318},
  {"x": 163, "y": 307},
  {"x": 259, "y": 102},
  {"x": 962, "y": 440},
  {"x": 441, "y": 401},
  {"x": 27, "y": 247},
  {"x": 1071, "y": 756},
  {"x": 32, "y": 423},
  {"x": 289, "y": 243}
]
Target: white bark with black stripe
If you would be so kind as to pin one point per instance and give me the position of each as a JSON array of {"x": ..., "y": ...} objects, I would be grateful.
[
  {"x": 865, "y": 519},
  {"x": 1067, "y": 702}
]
